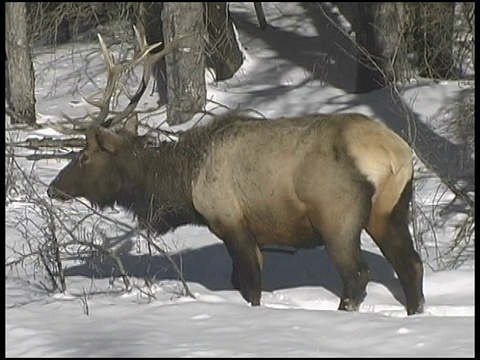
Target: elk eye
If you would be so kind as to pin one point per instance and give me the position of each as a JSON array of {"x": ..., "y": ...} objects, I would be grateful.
[{"x": 83, "y": 159}]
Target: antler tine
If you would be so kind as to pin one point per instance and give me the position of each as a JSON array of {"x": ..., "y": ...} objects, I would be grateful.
[
  {"x": 141, "y": 38},
  {"x": 144, "y": 48},
  {"x": 168, "y": 48},
  {"x": 114, "y": 72},
  {"x": 106, "y": 54}
]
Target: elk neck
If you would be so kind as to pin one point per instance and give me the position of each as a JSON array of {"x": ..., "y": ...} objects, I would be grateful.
[{"x": 157, "y": 186}]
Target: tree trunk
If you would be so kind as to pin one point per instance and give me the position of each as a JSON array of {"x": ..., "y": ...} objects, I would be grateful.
[
  {"x": 21, "y": 76},
  {"x": 186, "y": 89},
  {"x": 223, "y": 52},
  {"x": 433, "y": 38},
  {"x": 378, "y": 37},
  {"x": 151, "y": 18},
  {"x": 262, "y": 22}
]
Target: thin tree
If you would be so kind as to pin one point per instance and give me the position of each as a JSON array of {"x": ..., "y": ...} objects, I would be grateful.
[
  {"x": 262, "y": 21},
  {"x": 21, "y": 76},
  {"x": 151, "y": 18},
  {"x": 186, "y": 89},
  {"x": 223, "y": 52}
]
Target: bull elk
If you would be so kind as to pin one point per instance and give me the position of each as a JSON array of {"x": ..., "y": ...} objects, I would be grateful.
[{"x": 301, "y": 182}]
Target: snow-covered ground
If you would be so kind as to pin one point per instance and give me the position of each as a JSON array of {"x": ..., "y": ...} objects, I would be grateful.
[{"x": 290, "y": 69}]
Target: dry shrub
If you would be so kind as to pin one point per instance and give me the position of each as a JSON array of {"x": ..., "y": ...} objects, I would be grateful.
[{"x": 59, "y": 22}]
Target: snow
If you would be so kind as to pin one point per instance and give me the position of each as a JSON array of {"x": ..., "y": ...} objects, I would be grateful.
[{"x": 298, "y": 316}]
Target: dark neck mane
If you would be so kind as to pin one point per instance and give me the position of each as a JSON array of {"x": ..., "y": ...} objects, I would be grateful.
[{"x": 158, "y": 190}]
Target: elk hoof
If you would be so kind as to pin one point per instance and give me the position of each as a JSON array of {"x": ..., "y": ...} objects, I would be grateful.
[
  {"x": 348, "y": 305},
  {"x": 417, "y": 309},
  {"x": 255, "y": 303}
]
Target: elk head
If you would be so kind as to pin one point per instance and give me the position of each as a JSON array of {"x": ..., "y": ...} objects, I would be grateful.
[{"x": 95, "y": 172}]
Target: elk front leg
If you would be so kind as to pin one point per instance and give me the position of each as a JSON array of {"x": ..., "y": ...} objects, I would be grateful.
[{"x": 247, "y": 261}]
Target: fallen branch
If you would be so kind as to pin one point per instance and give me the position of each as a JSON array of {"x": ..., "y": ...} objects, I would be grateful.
[
  {"x": 48, "y": 142},
  {"x": 69, "y": 156}
]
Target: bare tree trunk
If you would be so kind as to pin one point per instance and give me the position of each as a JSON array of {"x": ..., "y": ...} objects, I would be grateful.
[
  {"x": 21, "y": 76},
  {"x": 223, "y": 52},
  {"x": 262, "y": 22},
  {"x": 151, "y": 17},
  {"x": 186, "y": 89},
  {"x": 378, "y": 36}
]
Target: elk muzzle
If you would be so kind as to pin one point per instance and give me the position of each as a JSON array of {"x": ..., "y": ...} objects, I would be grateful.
[{"x": 54, "y": 193}]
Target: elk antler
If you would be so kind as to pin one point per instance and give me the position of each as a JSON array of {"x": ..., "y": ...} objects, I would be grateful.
[{"x": 115, "y": 71}]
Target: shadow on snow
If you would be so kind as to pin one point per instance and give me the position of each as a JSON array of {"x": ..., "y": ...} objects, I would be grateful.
[{"x": 211, "y": 267}]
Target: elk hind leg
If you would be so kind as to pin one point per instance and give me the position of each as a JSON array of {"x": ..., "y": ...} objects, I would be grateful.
[
  {"x": 235, "y": 277},
  {"x": 346, "y": 254},
  {"x": 391, "y": 233},
  {"x": 341, "y": 236}
]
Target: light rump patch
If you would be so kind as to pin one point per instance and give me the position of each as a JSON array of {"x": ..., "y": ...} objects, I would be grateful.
[{"x": 384, "y": 158}]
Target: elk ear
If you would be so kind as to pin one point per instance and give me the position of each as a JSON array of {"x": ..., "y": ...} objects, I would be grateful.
[
  {"x": 131, "y": 125},
  {"x": 106, "y": 140}
]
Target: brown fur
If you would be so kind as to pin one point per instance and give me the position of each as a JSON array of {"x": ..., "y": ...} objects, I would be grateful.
[{"x": 306, "y": 181}]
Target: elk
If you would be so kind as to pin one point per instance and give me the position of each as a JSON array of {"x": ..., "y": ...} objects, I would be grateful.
[{"x": 305, "y": 181}]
